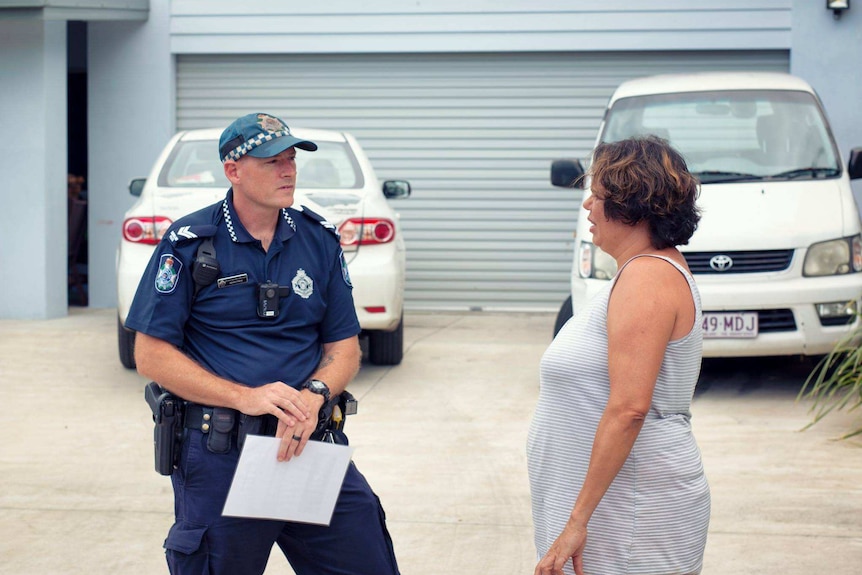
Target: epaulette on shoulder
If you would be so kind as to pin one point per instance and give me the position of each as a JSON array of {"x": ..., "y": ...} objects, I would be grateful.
[
  {"x": 184, "y": 234},
  {"x": 329, "y": 226}
]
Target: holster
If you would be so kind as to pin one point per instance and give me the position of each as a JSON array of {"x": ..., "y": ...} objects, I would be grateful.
[
  {"x": 333, "y": 416},
  {"x": 168, "y": 431}
]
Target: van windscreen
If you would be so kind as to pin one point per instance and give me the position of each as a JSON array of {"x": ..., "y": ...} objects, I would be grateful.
[{"x": 734, "y": 135}]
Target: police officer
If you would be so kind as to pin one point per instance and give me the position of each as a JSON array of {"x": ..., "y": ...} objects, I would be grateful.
[{"x": 257, "y": 322}]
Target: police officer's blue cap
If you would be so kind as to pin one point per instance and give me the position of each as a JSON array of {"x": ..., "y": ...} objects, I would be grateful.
[{"x": 259, "y": 135}]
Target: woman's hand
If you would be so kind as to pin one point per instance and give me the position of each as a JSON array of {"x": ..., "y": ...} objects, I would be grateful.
[{"x": 569, "y": 545}]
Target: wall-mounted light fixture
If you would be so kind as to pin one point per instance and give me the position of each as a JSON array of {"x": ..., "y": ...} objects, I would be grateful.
[{"x": 837, "y": 6}]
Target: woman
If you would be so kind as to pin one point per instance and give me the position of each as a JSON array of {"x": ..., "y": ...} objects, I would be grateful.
[{"x": 610, "y": 449}]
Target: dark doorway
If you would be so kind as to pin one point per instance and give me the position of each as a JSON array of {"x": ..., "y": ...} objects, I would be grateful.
[{"x": 76, "y": 124}]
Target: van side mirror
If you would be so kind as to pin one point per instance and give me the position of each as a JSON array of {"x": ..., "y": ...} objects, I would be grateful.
[
  {"x": 567, "y": 174},
  {"x": 136, "y": 186},
  {"x": 394, "y": 189},
  {"x": 854, "y": 164}
]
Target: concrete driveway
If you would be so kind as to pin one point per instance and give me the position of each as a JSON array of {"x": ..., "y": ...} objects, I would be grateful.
[{"x": 441, "y": 439}]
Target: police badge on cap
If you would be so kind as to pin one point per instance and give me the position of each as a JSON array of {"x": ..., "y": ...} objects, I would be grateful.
[
  {"x": 259, "y": 135},
  {"x": 271, "y": 123}
]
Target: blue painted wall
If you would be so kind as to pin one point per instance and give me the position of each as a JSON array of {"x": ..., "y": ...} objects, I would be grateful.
[
  {"x": 131, "y": 113},
  {"x": 373, "y": 26},
  {"x": 33, "y": 219},
  {"x": 132, "y": 73},
  {"x": 827, "y": 52}
]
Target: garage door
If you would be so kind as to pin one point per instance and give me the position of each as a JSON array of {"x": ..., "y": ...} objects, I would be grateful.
[{"x": 475, "y": 136}]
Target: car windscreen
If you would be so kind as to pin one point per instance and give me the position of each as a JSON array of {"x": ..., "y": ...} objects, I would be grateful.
[
  {"x": 734, "y": 135},
  {"x": 195, "y": 164}
]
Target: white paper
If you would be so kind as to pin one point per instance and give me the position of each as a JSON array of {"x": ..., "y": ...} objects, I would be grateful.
[{"x": 303, "y": 489}]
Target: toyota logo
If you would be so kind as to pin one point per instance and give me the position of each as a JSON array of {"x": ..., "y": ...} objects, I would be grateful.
[{"x": 720, "y": 263}]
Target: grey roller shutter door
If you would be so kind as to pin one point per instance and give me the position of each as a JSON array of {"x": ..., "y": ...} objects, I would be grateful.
[{"x": 474, "y": 133}]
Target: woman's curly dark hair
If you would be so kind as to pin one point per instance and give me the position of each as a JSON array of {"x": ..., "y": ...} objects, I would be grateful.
[{"x": 645, "y": 179}]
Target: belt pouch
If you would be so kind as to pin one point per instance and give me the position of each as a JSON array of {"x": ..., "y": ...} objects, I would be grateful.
[{"x": 218, "y": 439}]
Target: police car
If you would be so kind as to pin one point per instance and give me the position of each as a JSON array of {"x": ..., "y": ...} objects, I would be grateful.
[{"x": 337, "y": 181}]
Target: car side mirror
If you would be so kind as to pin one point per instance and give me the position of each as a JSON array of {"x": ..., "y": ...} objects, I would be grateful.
[
  {"x": 136, "y": 186},
  {"x": 567, "y": 174},
  {"x": 854, "y": 164},
  {"x": 394, "y": 189}
]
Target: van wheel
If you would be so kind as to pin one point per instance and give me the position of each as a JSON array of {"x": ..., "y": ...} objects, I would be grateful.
[
  {"x": 563, "y": 315},
  {"x": 126, "y": 342},
  {"x": 386, "y": 347}
]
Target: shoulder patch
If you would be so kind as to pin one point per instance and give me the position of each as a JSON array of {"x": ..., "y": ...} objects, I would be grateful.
[
  {"x": 185, "y": 233},
  {"x": 168, "y": 274},
  {"x": 321, "y": 220},
  {"x": 345, "y": 274}
]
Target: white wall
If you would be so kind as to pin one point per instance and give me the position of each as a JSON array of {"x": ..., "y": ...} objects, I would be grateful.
[
  {"x": 131, "y": 112},
  {"x": 33, "y": 163}
]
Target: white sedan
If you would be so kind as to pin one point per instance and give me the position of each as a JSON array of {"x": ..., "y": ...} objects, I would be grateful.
[{"x": 337, "y": 181}]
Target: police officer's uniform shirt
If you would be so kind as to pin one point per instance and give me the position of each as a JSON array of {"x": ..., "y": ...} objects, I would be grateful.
[{"x": 220, "y": 327}]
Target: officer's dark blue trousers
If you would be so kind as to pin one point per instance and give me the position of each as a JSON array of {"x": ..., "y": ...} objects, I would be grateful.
[{"x": 203, "y": 542}]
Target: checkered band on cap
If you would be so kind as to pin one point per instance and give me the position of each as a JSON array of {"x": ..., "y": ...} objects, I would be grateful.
[{"x": 251, "y": 144}]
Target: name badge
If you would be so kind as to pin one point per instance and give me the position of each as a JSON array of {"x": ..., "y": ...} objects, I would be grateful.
[{"x": 232, "y": 280}]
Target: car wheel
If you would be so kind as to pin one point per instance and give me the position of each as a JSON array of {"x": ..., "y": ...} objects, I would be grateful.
[
  {"x": 563, "y": 316},
  {"x": 126, "y": 341},
  {"x": 386, "y": 347}
]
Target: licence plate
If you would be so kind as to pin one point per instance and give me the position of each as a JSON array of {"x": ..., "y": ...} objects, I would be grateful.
[{"x": 731, "y": 324}]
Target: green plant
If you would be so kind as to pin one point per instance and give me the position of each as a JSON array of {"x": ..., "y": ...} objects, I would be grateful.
[{"x": 836, "y": 382}]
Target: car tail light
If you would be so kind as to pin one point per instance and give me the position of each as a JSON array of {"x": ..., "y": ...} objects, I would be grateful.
[
  {"x": 145, "y": 230},
  {"x": 363, "y": 231}
]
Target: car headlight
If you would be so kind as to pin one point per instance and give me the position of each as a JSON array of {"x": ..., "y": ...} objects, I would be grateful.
[
  {"x": 835, "y": 257},
  {"x": 594, "y": 263}
]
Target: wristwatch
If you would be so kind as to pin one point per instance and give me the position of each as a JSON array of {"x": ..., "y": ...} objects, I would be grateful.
[{"x": 318, "y": 387}]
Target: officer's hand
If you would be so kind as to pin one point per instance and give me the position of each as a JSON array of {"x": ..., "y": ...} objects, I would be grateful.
[
  {"x": 278, "y": 399},
  {"x": 294, "y": 438}
]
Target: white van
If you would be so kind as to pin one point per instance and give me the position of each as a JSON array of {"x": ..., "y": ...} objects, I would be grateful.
[{"x": 777, "y": 255}]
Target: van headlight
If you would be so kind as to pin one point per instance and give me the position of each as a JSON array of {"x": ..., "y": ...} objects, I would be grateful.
[
  {"x": 594, "y": 263},
  {"x": 835, "y": 257}
]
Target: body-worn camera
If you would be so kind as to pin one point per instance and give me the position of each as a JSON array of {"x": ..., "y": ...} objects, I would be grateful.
[{"x": 269, "y": 294}]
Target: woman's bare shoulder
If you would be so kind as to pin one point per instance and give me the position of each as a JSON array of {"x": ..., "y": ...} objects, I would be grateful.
[{"x": 651, "y": 277}]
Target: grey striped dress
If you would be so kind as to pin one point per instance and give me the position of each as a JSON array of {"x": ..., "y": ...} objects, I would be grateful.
[{"x": 654, "y": 517}]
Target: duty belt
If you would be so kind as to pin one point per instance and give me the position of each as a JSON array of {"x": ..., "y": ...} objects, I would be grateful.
[
  {"x": 198, "y": 417},
  {"x": 223, "y": 424}
]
